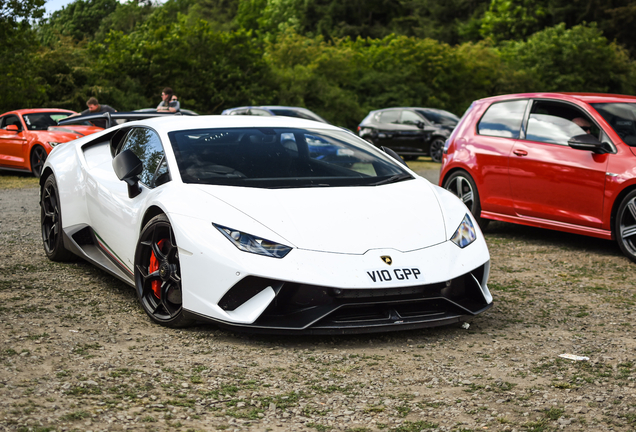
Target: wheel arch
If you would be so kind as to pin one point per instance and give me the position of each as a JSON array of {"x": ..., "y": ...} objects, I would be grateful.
[
  {"x": 616, "y": 204},
  {"x": 151, "y": 212},
  {"x": 450, "y": 172}
]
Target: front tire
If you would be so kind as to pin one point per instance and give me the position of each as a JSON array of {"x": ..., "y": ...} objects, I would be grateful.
[
  {"x": 625, "y": 226},
  {"x": 461, "y": 184},
  {"x": 158, "y": 274},
  {"x": 38, "y": 157},
  {"x": 51, "y": 222},
  {"x": 437, "y": 149}
]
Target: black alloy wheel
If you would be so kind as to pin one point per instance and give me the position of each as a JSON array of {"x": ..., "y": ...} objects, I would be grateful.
[
  {"x": 158, "y": 274},
  {"x": 51, "y": 222},
  {"x": 38, "y": 157},
  {"x": 461, "y": 184},
  {"x": 625, "y": 226},
  {"x": 437, "y": 149}
]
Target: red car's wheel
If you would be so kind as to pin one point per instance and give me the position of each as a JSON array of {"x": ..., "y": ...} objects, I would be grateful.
[
  {"x": 38, "y": 157},
  {"x": 460, "y": 183},
  {"x": 625, "y": 226},
  {"x": 158, "y": 274}
]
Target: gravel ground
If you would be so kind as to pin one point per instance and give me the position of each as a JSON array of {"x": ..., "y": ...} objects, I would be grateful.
[{"x": 78, "y": 353}]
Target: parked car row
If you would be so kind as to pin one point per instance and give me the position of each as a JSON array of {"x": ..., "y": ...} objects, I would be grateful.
[{"x": 410, "y": 132}]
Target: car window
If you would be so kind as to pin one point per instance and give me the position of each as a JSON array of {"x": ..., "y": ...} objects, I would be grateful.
[
  {"x": 239, "y": 112},
  {"x": 391, "y": 116},
  {"x": 557, "y": 122},
  {"x": 145, "y": 143},
  {"x": 440, "y": 117},
  {"x": 503, "y": 119},
  {"x": 621, "y": 117},
  {"x": 258, "y": 112},
  {"x": 11, "y": 120},
  {"x": 281, "y": 158},
  {"x": 410, "y": 118},
  {"x": 551, "y": 129}
]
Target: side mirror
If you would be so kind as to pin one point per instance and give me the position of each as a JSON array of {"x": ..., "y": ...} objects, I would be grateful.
[
  {"x": 588, "y": 142},
  {"x": 127, "y": 167},
  {"x": 13, "y": 128},
  {"x": 394, "y": 155}
]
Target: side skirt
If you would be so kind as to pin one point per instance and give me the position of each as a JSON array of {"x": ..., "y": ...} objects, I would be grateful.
[
  {"x": 549, "y": 224},
  {"x": 82, "y": 241}
]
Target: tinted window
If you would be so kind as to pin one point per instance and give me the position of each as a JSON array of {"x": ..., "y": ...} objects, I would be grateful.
[
  {"x": 11, "y": 120},
  {"x": 146, "y": 144},
  {"x": 280, "y": 157},
  {"x": 440, "y": 117},
  {"x": 390, "y": 116},
  {"x": 503, "y": 119},
  {"x": 410, "y": 118},
  {"x": 622, "y": 118}
]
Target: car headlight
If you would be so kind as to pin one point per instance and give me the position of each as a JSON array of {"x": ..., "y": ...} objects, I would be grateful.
[
  {"x": 465, "y": 233},
  {"x": 53, "y": 143},
  {"x": 252, "y": 244}
]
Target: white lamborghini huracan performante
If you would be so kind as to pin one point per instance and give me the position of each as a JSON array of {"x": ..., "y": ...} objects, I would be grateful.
[{"x": 275, "y": 225}]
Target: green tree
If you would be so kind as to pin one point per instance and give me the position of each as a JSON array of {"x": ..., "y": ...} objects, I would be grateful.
[
  {"x": 19, "y": 84},
  {"x": 576, "y": 59}
]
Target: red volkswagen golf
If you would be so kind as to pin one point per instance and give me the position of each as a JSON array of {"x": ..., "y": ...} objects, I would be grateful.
[{"x": 564, "y": 161}]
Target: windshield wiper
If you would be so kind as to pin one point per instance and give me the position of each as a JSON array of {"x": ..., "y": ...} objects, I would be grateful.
[{"x": 393, "y": 179}]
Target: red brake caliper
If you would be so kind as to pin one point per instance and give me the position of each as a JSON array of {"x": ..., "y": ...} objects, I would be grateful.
[{"x": 153, "y": 267}]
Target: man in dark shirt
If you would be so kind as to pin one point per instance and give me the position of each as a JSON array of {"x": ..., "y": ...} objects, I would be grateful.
[{"x": 94, "y": 107}]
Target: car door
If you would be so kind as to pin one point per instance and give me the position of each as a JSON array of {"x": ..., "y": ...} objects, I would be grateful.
[
  {"x": 115, "y": 217},
  {"x": 413, "y": 133},
  {"x": 386, "y": 123},
  {"x": 497, "y": 131},
  {"x": 12, "y": 151},
  {"x": 551, "y": 180}
]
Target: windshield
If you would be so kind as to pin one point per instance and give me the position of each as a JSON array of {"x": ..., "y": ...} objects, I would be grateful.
[
  {"x": 440, "y": 117},
  {"x": 621, "y": 117},
  {"x": 280, "y": 158},
  {"x": 42, "y": 120}
]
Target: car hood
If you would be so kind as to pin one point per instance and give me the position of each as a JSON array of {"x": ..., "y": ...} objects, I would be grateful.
[{"x": 404, "y": 216}]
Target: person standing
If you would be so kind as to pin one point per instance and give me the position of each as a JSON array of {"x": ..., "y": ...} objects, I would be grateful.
[{"x": 167, "y": 104}]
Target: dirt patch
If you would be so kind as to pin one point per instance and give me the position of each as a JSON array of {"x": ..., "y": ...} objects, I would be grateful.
[{"x": 78, "y": 353}]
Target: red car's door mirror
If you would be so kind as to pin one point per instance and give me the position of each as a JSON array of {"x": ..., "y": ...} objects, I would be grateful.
[
  {"x": 587, "y": 142},
  {"x": 12, "y": 128}
]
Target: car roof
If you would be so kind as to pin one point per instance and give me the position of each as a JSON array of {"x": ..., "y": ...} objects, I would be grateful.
[
  {"x": 568, "y": 96},
  {"x": 38, "y": 110},
  {"x": 173, "y": 123}
]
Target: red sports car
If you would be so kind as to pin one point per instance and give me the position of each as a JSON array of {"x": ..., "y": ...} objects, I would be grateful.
[
  {"x": 564, "y": 161},
  {"x": 27, "y": 136}
]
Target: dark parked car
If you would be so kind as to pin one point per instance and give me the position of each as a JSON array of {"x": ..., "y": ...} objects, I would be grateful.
[
  {"x": 275, "y": 110},
  {"x": 563, "y": 161},
  {"x": 411, "y": 132}
]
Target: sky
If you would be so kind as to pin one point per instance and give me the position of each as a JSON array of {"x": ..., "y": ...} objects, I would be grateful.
[{"x": 53, "y": 5}]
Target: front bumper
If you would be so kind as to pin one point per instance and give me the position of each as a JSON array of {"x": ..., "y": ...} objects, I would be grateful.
[{"x": 308, "y": 309}]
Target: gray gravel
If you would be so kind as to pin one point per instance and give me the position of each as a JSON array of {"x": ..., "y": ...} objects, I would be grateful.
[{"x": 78, "y": 353}]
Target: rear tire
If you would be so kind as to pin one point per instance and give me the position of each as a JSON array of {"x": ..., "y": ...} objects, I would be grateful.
[
  {"x": 625, "y": 226},
  {"x": 51, "y": 222},
  {"x": 461, "y": 184},
  {"x": 158, "y": 274}
]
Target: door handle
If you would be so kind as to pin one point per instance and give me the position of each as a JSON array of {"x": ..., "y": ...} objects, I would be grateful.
[{"x": 520, "y": 152}]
